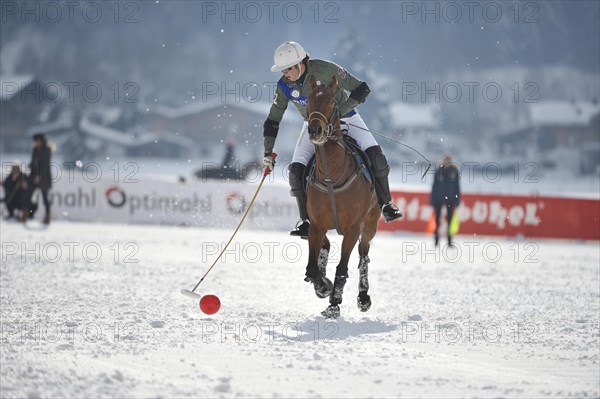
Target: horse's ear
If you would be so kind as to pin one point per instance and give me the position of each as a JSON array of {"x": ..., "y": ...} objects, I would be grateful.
[
  {"x": 333, "y": 83},
  {"x": 313, "y": 82}
]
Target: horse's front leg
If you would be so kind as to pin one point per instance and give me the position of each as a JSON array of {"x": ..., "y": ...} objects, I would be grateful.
[
  {"x": 369, "y": 230},
  {"x": 324, "y": 256},
  {"x": 323, "y": 286},
  {"x": 341, "y": 274},
  {"x": 363, "y": 300}
]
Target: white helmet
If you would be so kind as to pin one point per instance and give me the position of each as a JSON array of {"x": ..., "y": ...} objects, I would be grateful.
[{"x": 287, "y": 55}]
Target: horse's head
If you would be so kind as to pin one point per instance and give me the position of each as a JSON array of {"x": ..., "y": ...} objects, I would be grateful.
[{"x": 322, "y": 111}]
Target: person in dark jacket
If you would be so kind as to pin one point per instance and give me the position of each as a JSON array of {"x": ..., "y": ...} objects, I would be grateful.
[
  {"x": 39, "y": 176},
  {"x": 14, "y": 187},
  {"x": 445, "y": 192},
  {"x": 229, "y": 159}
]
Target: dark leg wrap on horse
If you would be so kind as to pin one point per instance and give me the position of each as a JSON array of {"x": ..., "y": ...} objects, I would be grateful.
[
  {"x": 363, "y": 271},
  {"x": 381, "y": 171},
  {"x": 298, "y": 188},
  {"x": 338, "y": 290},
  {"x": 323, "y": 258},
  {"x": 363, "y": 300}
]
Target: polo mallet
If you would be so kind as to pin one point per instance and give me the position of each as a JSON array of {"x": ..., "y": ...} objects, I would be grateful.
[{"x": 192, "y": 294}]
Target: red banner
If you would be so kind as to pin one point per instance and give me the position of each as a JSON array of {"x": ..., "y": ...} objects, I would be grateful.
[{"x": 505, "y": 215}]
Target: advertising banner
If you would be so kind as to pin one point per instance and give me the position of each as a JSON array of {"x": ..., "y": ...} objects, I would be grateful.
[
  {"x": 505, "y": 215},
  {"x": 218, "y": 204}
]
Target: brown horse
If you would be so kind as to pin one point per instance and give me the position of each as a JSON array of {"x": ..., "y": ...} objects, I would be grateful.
[{"x": 338, "y": 197}]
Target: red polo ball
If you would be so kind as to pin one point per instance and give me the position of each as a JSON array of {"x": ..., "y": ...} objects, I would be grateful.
[{"x": 210, "y": 304}]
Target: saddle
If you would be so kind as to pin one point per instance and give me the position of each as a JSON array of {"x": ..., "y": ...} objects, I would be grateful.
[{"x": 362, "y": 167}]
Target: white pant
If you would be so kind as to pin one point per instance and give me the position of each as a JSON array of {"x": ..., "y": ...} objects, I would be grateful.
[{"x": 305, "y": 149}]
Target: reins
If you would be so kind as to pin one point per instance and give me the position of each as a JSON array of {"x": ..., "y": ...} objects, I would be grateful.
[{"x": 328, "y": 187}]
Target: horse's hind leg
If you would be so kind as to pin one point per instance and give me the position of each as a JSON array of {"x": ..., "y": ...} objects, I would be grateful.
[{"x": 369, "y": 230}]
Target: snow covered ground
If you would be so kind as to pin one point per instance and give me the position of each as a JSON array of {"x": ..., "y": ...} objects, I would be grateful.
[{"x": 91, "y": 310}]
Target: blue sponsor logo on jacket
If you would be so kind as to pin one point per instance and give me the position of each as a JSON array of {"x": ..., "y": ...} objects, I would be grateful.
[{"x": 292, "y": 92}]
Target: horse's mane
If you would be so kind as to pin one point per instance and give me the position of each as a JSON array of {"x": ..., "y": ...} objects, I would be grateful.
[{"x": 320, "y": 89}]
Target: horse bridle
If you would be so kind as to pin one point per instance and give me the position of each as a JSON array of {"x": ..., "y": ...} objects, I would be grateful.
[{"x": 326, "y": 122}]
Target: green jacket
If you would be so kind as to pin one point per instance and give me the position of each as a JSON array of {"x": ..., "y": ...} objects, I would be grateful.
[{"x": 297, "y": 93}]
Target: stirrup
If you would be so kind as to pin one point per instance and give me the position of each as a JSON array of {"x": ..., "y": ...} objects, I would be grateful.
[
  {"x": 390, "y": 212},
  {"x": 301, "y": 229}
]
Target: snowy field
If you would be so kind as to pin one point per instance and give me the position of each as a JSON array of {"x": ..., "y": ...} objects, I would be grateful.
[{"x": 91, "y": 310}]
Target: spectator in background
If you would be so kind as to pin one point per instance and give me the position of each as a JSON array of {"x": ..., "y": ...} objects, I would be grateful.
[
  {"x": 39, "y": 177},
  {"x": 445, "y": 192},
  {"x": 14, "y": 187},
  {"x": 229, "y": 159}
]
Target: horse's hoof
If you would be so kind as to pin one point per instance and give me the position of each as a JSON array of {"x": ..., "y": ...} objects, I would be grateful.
[
  {"x": 323, "y": 286},
  {"x": 364, "y": 302},
  {"x": 332, "y": 312}
]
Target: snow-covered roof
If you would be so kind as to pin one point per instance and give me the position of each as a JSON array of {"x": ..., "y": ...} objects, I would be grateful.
[
  {"x": 195, "y": 107},
  {"x": 62, "y": 123},
  {"x": 10, "y": 85},
  {"x": 412, "y": 115},
  {"x": 107, "y": 115},
  {"x": 129, "y": 140},
  {"x": 562, "y": 113},
  {"x": 105, "y": 133},
  {"x": 150, "y": 137}
]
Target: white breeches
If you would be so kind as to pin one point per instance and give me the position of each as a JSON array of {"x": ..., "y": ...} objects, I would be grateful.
[{"x": 305, "y": 149}]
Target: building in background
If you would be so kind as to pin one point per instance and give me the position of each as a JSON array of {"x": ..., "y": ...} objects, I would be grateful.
[
  {"x": 418, "y": 124},
  {"x": 21, "y": 105},
  {"x": 557, "y": 134}
]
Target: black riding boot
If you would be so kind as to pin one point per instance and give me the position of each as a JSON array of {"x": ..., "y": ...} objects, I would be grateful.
[
  {"x": 298, "y": 190},
  {"x": 381, "y": 170}
]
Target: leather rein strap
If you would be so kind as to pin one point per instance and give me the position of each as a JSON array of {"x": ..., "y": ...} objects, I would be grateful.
[{"x": 330, "y": 193}]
